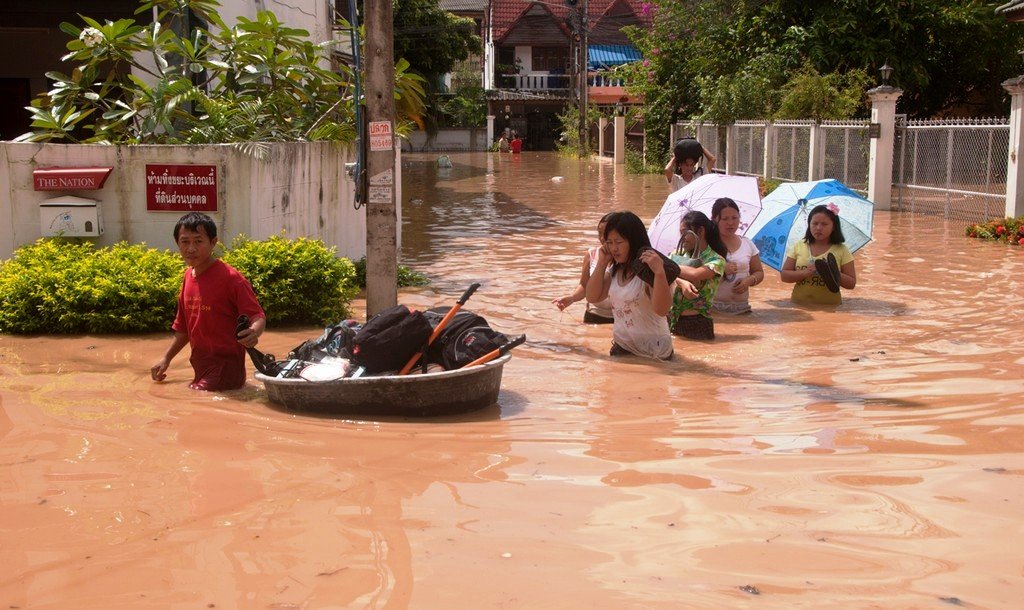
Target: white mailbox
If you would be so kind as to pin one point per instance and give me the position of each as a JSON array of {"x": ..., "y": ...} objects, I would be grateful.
[{"x": 70, "y": 216}]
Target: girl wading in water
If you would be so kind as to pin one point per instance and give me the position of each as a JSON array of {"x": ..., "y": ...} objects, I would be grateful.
[
  {"x": 598, "y": 313},
  {"x": 639, "y": 309},
  {"x": 701, "y": 258},
  {"x": 820, "y": 263}
]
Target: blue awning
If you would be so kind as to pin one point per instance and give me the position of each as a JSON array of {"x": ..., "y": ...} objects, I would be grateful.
[{"x": 602, "y": 56}]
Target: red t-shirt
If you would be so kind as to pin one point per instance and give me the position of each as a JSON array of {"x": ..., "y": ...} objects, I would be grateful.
[
  {"x": 517, "y": 146},
  {"x": 208, "y": 310}
]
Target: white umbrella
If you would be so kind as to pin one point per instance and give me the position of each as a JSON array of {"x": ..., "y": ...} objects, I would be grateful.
[{"x": 700, "y": 196}]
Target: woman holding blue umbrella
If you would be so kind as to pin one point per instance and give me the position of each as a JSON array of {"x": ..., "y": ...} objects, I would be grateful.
[{"x": 820, "y": 264}]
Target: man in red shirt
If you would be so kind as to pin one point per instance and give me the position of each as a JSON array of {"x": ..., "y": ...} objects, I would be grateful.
[
  {"x": 516, "y": 146},
  {"x": 212, "y": 297}
]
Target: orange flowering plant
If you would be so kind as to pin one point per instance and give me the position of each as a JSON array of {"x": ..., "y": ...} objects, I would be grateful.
[{"x": 1007, "y": 230}]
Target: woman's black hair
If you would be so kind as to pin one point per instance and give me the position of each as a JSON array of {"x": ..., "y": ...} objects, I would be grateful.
[
  {"x": 837, "y": 233},
  {"x": 632, "y": 229},
  {"x": 605, "y": 218},
  {"x": 694, "y": 219},
  {"x": 720, "y": 205}
]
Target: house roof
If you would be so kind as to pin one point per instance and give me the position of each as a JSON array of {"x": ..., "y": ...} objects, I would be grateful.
[
  {"x": 606, "y": 17},
  {"x": 463, "y": 6},
  {"x": 1013, "y": 11}
]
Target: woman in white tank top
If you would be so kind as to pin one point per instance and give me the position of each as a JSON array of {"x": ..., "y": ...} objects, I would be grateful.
[{"x": 639, "y": 309}]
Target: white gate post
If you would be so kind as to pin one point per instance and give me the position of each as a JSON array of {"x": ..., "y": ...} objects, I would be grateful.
[
  {"x": 490, "y": 131},
  {"x": 769, "y": 150},
  {"x": 814, "y": 156},
  {"x": 730, "y": 148},
  {"x": 883, "y": 114},
  {"x": 1014, "y": 167},
  {"x": 620, "y": 140},
  {"x": 602, "y": 123}
]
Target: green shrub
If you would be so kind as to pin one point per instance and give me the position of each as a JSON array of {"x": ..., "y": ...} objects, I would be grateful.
[
  {"x": 60, "y": 286},
  {"x": 406, "y": 276},
  {"x": 297, "y": 281},
  {"x": 635, "y": 163},
  {"x": 57, "y": 286}
]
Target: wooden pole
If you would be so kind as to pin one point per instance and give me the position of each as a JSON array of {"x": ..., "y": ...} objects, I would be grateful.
[
  {"x": 584, "y": 53},
  {"x": 381, "y": 220}
]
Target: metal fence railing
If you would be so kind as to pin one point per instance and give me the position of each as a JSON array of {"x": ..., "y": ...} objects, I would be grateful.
[
  {"x": 790, "y": 150},
  {"x": 953, "y": 167},
  {"x": 845, "y": 149},
  {"x": 956, "y": 168},
  {"x": 748, "y": 137}
]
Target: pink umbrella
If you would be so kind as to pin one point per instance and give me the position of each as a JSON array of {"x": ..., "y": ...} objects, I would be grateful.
[{"x": 699, "y": 196}]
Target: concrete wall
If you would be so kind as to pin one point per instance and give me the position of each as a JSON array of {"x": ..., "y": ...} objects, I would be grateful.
[
  {"x": 301, "y": 190},
  {"x": 314, "y": 16},
  {"x": 454, "y": 139}
]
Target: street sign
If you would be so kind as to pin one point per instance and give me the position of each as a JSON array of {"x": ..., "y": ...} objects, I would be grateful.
[{"x": 380, "y": 136}]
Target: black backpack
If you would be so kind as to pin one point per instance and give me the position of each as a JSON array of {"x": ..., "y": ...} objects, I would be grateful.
[
  {"x": 390, "y": 338},
  {"x": 466, "y": 337}
]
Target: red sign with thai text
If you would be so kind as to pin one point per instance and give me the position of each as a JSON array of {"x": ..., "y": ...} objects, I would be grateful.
[
  {"x": 70, "y": 178},
  {"x": 181, "y": 188}
]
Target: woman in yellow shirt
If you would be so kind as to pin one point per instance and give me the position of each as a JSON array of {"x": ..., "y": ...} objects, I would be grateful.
[{"x": 820, "y": 264}]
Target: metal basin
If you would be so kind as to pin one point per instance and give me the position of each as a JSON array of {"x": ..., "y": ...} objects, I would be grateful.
[{"x": 442, "y": 393}]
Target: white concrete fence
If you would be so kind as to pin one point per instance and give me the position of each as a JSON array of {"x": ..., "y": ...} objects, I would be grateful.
[{"x": 300, "y": 190}]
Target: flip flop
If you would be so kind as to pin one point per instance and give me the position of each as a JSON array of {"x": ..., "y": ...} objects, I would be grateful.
[
  {"x": 645, "y": 273},
  {"x": 828, "y": 269}
]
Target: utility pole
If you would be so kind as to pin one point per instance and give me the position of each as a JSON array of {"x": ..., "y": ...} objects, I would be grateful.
[
  {"x": 381, "y": 220},
  {"x": 579, "y": 22},
  {"x": 584, "y": 21}
]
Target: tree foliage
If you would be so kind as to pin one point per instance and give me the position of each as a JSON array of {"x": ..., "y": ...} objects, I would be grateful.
[
  {"x": 431, "y": 39},
  {"x": 171, "y": 82},
  {"x": 725, "y": 60},
  {"x": 435, "y": 42}
]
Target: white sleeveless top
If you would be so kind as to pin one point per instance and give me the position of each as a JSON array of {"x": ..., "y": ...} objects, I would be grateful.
[
  {"x": 727, "y": 301},
  {"x": 637, "y": 328},
  {"x": 604, "y": 308}
]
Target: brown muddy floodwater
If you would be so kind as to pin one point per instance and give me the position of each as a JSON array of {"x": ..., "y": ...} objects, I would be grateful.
[{"x": 871, "y": 456}]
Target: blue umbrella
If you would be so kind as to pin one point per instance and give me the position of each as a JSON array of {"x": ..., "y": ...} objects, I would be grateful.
[{"x": 783, "y": 217}]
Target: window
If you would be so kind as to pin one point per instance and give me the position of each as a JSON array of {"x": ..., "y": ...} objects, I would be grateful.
[{"x": 551, "y": 59}]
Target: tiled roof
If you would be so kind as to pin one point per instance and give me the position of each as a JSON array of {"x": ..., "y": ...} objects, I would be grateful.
[
  {"x": 1011, "y": 7},
  {"x": 463, "y": 6},
  {"x": 505, "y": 13}
]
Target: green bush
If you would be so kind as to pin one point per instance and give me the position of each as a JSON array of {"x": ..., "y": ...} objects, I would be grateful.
[
  {"x": 57, "y": 286},
  {"x": 635, "y": 163},
  {"x": 406, "y": 276},
  {"x": 297, "y": 281},
  {"x": 60, "y": 286}
]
